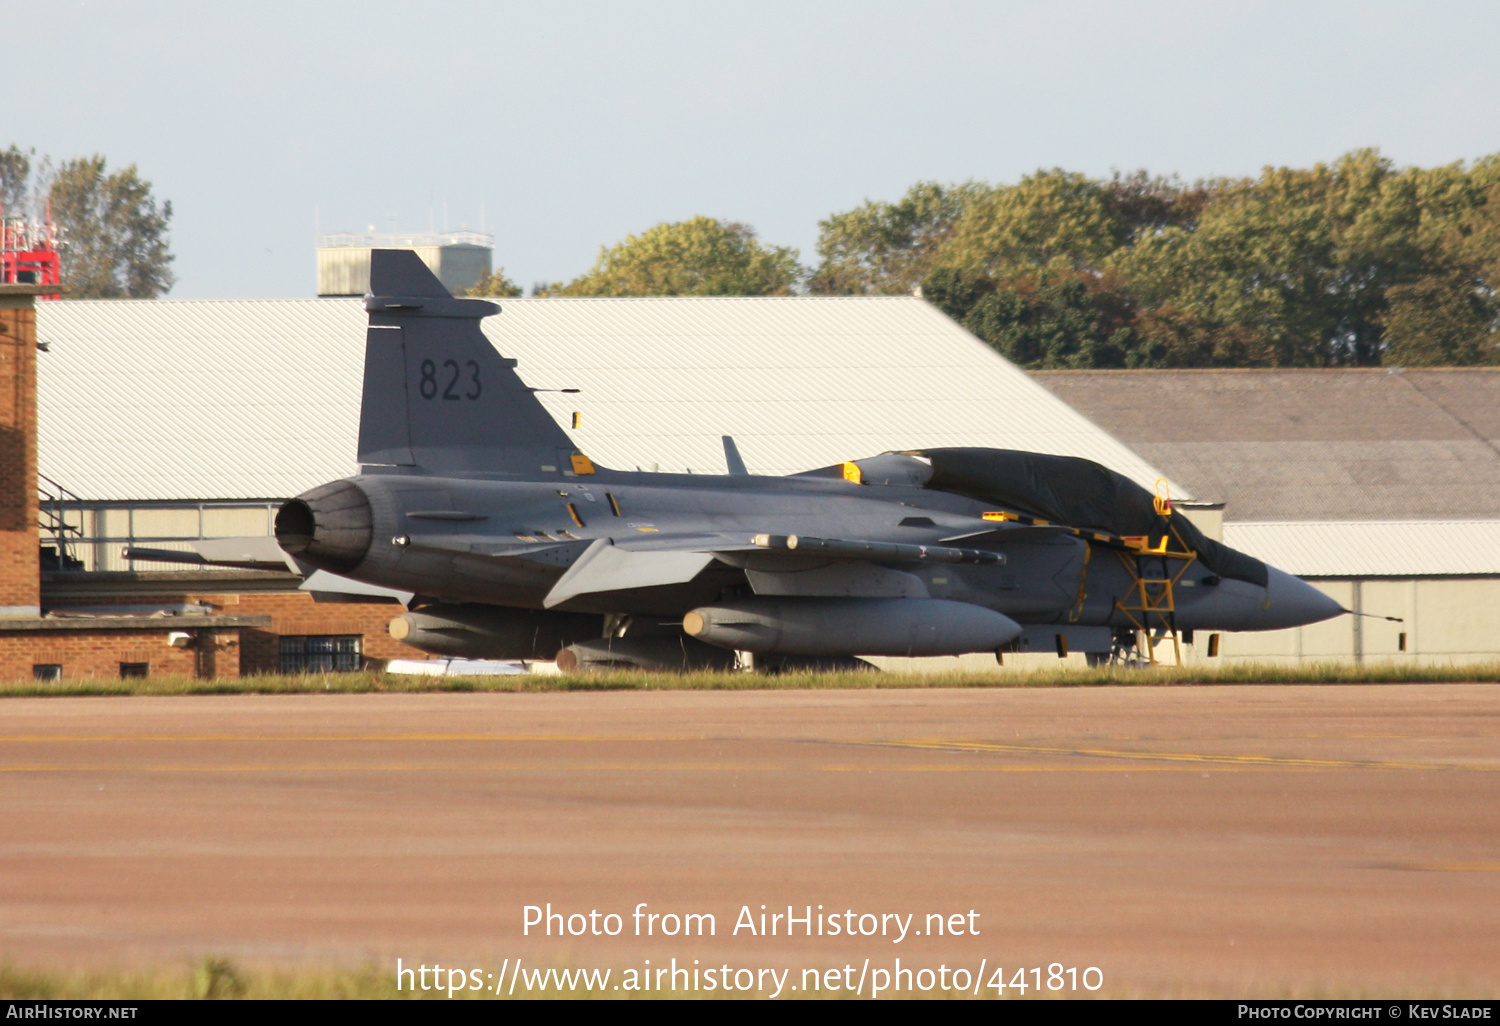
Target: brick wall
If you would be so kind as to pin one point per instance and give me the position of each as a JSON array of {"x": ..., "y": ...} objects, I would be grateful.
[
  {"x": 20, "y": 577},
  {"x": 296, "y": 613},
  {"x": 291, "y": 612},
  {"x": 97, "y": 654}
]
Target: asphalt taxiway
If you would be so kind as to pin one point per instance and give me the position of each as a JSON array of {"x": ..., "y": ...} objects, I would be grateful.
[{"x": 1185, "y": 840}]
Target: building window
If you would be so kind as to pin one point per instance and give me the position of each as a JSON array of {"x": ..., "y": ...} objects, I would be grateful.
[
  {"x": 320, "y": 653},
  {"x": 134, "y": 670},
  {"x": 46, "y": 671}
]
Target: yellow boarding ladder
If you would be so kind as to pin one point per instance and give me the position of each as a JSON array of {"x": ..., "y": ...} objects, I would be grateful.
[{"x": 1152, "y": 596}]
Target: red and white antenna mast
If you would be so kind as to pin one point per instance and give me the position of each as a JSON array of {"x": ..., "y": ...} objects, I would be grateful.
[{"x": 28, "y": 252}]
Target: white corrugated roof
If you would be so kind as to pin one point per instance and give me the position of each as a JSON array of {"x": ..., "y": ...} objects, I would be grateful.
[
  {"x": 1366, "y": 548},
  {"x": 170, "y": 399}
]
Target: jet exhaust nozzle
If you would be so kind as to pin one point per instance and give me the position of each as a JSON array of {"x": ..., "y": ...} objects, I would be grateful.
[
  {"x": 851, "y": 626},
  {"x": 330, "y": 527}
]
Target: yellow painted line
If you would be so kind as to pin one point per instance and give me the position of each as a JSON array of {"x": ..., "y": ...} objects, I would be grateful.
[
  {"x": 1024, "y": 769},
  {"x": 963, "y": 745},
  {"x": 942, "y": 745},
  {"x": 280, "y": 767},
  {"x": 1189, "y": 757},
  {"x": 1308, "y": 737},
  {"x": 19, "y": 738}
]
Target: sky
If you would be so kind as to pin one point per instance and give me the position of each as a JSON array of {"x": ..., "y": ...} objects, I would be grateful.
[{"x": 562, "y": 126}]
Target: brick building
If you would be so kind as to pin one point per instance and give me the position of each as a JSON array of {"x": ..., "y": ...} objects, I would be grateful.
[{"x": 61, "y": 620}]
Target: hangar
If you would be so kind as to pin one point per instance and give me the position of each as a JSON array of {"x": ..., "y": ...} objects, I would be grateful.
[
  {"x": 164, "y": 422},
  {"x": 1381, "y": 486}
]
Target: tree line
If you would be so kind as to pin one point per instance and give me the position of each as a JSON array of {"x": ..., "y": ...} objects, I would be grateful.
[
  {"x": 1353, "y": 263},
  {"x": 1348, "y": 264},
  {"x": 113, "y": 231}
]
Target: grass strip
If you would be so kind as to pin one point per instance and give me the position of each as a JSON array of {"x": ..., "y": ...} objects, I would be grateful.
[
  {"x": 218, "y": 978},
  {"x": 215, "y": 979},
  {"x": 1103, "y": 676}
]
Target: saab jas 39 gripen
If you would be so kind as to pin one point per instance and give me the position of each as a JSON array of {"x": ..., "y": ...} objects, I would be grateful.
[{"x": 517, "y": 546}]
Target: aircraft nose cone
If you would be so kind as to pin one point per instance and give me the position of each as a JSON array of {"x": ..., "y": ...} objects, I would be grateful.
[{"x": 1292, "y": 602}]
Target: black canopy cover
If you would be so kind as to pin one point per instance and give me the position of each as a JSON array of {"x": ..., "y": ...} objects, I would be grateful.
[{"x": 1078, "y": 493}]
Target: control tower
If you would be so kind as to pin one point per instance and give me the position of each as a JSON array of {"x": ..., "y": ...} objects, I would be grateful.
[{"x": 459, "y": 259}]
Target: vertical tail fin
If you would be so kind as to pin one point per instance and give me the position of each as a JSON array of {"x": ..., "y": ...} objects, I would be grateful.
[
  {"x": 732, "y": 458},
  {"x": 436, "y": 394}
]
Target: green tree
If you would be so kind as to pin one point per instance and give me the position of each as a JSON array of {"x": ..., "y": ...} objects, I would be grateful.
[
  {"x": 1058, "y": 220},
  {"x": 1351, "y": 263},
  {"x": 698, "y": 257},
  {"x": 1442, "y": 309},
  {"x": 1475, "y": 238},
  {"x": 888, "y": 248},
  {"x": 1305, "y": 258},
  {"x": 15, "y": 179},
  {"x": 496, "y": 285},
  {"x": 1440, "y": 320},
  {"x": 1168, "y": 337},
  {"x": 1260, "y": 259},
  {"x": 1048, "y": 319},
  {"x": 1144, "y": 203},
  {"x": 113, "y": 232}
]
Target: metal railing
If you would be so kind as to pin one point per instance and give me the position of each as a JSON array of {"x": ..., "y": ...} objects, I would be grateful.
[
  {"x": 91, "y": 535},
  {"x": 53, "y": 521}
]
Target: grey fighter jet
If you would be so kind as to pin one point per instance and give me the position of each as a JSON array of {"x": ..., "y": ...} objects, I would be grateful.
[{"x": 518, "y": 546}]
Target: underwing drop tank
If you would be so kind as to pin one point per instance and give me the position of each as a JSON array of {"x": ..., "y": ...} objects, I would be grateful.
[
  {"x": 868, "y": 626},
  {"x": 473, "y": 631}
]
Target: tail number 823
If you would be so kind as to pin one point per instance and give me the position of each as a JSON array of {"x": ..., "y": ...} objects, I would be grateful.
[{"x": 457, "y": 382}]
